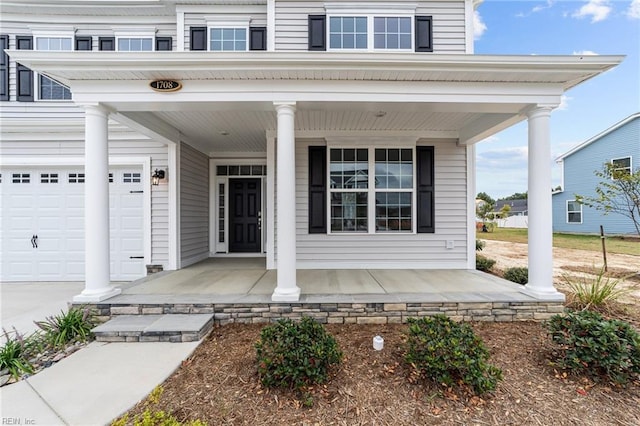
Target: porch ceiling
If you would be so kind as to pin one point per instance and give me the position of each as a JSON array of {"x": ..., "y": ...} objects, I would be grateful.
[{"x": 226, "y": 103}]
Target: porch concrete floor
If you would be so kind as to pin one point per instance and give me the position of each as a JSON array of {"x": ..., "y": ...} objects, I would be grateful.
[{"x": 246, "y": 280}]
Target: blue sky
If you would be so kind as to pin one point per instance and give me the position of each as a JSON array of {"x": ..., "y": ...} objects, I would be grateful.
[{"x": 554, "y": 27}]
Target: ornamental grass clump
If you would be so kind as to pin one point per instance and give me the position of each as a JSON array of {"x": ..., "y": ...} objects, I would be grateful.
[
  {"x": 295, "y": 354},
  {"x": 449, "y": 353},
  {"x": 595, "y": 292},
  {"x": 15, "y": 354},
  {"x": 72, "y": 326},
  {"x": 586, "y": 343}
]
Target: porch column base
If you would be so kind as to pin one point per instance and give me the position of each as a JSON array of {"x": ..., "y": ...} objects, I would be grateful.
[
  {"x": 97, "y": 296},
  {"x": 544, "y": 294},
  {"x": 286, "y": 294}
]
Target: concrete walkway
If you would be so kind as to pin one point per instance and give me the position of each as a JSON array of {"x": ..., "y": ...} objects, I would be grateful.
[
  {"x": 90, "y": 387},
  {"x": 94, "y": 385}
]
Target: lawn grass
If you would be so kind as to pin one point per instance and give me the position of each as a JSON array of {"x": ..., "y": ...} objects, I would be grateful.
[{"x": 574, "y": 241}]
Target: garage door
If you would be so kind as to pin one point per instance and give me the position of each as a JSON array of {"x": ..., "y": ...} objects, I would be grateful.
[{"x": 42, "y": 222}]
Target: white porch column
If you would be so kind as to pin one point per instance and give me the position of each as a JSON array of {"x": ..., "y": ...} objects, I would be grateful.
[
  {"x": 96, "y": 208},
  {"x": 287, "y": 289},
  {"x": 540, "y": 213}
]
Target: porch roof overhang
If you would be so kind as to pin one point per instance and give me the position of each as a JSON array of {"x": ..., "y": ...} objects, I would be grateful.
[{"x": 463, "y": 97}]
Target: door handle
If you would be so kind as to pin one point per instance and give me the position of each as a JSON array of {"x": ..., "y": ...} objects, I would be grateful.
[
  {"x": 34, "y": 241},
  {"x": 259, "y": 220}
]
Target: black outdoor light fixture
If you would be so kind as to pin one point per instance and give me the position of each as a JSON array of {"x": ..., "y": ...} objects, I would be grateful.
[{"x": 157, "y": 176}]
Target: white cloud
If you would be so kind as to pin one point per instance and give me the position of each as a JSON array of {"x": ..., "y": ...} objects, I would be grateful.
[
  {"x": 585, "y": 53},
  {"x": 479, "y": 27},
  {"x": 598, "y": 10},
  {"x": 634, "y": 9},
  {"x": 511, "y": 158},
  {"x": 540, "y": 8}
]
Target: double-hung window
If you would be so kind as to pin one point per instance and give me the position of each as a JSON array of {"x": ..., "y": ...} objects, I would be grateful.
[
  {"x": 574, "y": 211},
  {"x": 49, "y": 89},
  {"x": 371, "y": 190},
  {"x": 621, "y": 166},
  {"x": 392, "y": 32},
  {"x": 228, "y": 34}
]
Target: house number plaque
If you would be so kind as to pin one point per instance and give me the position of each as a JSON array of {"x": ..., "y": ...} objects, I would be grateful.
[{"x": 165, "y": 85}]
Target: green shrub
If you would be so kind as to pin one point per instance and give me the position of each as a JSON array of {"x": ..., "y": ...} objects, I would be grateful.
[
  {"x": 480, "y": 245},
  {"x": 73, "y": 325},
  {"x": 295, "y": 354},
  {"x": 484, "y": 264},
  {"x": 15, "y": 353},
  {"x": 589, "y": 344},
  {"x": 152, "y": 417},
  {"x": 594, "y": 292},
  {"x": 447, "y": 352},
  {"x": 517, "y": 275}
]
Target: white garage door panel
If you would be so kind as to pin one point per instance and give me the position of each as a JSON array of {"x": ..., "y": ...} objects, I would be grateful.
[{"x": 53, "y": 209}]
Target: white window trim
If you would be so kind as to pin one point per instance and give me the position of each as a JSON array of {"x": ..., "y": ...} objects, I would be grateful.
[
  {"x": 574, "y": 211},
  {"x": 370, "y": 11},
  {"x": 36, "y": 77},
  {"x": 371, "y": 187},
  {"x": 229, "y": 21},
  {"x": 620, "y": 168}
]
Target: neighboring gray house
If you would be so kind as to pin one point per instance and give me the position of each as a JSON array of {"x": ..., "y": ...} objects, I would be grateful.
[
  {"x": 518, "y": 207},
  {"x": 620, "y": 145}
]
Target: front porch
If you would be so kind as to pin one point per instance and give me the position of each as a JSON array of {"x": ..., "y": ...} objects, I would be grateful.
[{"x": 240, "y": 289}]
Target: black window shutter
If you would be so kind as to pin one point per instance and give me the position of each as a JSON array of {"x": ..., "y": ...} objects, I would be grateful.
[
  {"x": 425, "y": 195},
  {"x": 258, "y": 38},
  {"x": 84, "y": 43},
  {"x": 24, "y": 76},
  {"x": 317, "y": 189},
  {"x": 106, "y": 43},
  {"x": 164, "y": 43},
  {"x": 317, "y": 32},
  {"x": 4, "y": 68},
  {"x": 24, "y": 42},
  {"x": 198, "y": 38},
  {"x": 424, "y": 34}
]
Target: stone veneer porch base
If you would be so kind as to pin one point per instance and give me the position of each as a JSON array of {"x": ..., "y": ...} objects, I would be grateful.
[{"x": 340, "y": 313}]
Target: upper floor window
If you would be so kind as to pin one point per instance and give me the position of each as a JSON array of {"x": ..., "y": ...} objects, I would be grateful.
[
  {"x": 228, "y": 39},
  {"x": 370, "y": 27},
  {"x": 621, "y": 166},
  {"x": 54, "y": 43},
  {"x": 135, "y": 44},
  {"x": 49, "y": 89},
  {"x": 348, "y": 32},
  {"x": 392, "y": 33}
]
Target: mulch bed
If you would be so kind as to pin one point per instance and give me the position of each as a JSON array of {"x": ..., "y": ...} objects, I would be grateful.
[{"x": 219, "y": 385}]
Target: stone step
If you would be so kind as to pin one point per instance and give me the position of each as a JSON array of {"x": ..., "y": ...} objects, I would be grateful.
[{"x": 155, "y": 328}]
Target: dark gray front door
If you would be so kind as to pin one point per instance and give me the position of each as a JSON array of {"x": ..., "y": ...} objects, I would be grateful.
[{"x": 244, "y": 216}]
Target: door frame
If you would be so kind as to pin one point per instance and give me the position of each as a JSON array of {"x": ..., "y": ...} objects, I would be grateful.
[
  {"x": 216, "y": 247},
  {"x": 138, "y": 161}
]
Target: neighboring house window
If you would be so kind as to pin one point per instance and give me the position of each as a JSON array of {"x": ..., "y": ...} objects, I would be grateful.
[
  {"x": 574, "y": 211},
  {"x": 135, "y": 44},
  {"x": 371, "y": 190},
  {"x": 49, "y": 89},
  {"x": 621, "y": 165}
]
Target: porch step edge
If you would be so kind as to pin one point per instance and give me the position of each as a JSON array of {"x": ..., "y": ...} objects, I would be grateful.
[{"x": 155, "y": 328}]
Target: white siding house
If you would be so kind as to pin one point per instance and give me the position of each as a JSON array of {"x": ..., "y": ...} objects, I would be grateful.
[{"x": 316, "y": 134}]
